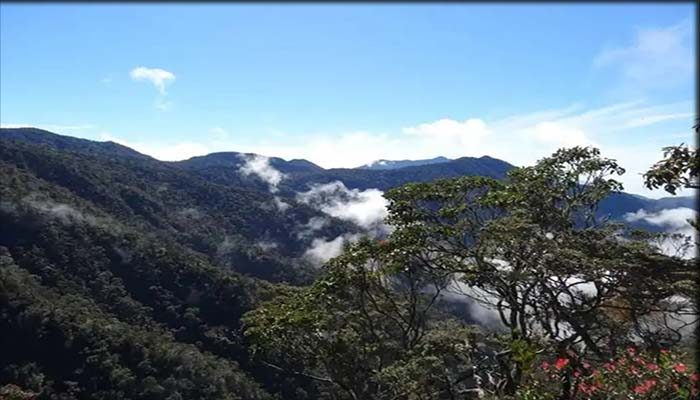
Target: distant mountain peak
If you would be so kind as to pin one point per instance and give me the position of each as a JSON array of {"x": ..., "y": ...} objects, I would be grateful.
[{"x": 396, "y": 164}]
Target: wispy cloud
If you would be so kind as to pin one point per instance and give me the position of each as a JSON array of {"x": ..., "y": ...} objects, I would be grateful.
[
  {"x": 260, "y": 166},
  {"x": 366, "y": 208},
  {"x": 160, "y": 78},
  {"x": 671, "y": 220},
  {"x": 162, "y": 151},
  {"x": 619, "y": 129},
  {"x": 657, "y": 57},
  {"x": 323, "y": 249}
]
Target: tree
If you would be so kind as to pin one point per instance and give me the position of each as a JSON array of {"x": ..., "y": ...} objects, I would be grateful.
[
  {"x": 560, "y": 280},
  {"x": 365, "y": 330},
  {"x": 532, "y": 249},
  {"x": 679, "y": 168}
]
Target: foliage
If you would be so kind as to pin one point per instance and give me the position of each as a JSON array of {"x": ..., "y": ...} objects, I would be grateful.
[
  {"x": 560, "y": 280},
  {"x": 679, "y": 168},
  {"x": 122, "y": 277},
  {"x": 364, "y": 330},
  {"x": 630, "y": 375}
]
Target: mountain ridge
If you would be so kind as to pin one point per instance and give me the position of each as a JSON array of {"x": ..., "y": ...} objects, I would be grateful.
[{"x": 394, "y": 164}]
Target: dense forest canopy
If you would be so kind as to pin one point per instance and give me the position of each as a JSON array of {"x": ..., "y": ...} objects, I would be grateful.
[{"x": 123, "y": 277}]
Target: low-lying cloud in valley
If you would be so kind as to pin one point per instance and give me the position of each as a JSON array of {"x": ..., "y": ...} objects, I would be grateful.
[
  {"x": 366, "y": 208},
  {"x": 260, "y": 166},
  {"x": 322, "y": 249},
  {"x": 672, "y": 220}
]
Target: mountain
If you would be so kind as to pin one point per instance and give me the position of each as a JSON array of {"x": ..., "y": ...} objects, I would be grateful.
[
  {"x": 68, "y": 143},
  {"x": 221, "y": 167},
  {"x": 125, "y": 277},
  {"x": 217, "y": 168},
  {"x": 389, "y": 164},
  {"x": 225, "y": 222}
]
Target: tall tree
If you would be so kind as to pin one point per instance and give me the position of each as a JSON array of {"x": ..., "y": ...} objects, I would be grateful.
[{"x": 530, "y": 248}]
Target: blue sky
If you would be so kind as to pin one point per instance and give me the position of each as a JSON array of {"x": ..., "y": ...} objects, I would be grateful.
[{"x": 344, "y": 84}]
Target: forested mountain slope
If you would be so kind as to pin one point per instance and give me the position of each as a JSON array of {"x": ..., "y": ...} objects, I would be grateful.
[{"x": 124, "y": 277}]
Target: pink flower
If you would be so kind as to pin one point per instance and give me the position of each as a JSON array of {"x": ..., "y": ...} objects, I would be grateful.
[
  {"x": 645, "y": 387},
  {"x": 631, "y": 351},
  {"x": 680, "y": 367},
  {"x": 695, "y": 377},
  {"x": 584, "y": 388},
  {"x": 641, "y": 389},
  {"x": 609, "y": 366},
  {"x": 545, "y": 365},
  {"x": 561, "y": 363},
  {"x": 652, "y": 367}
]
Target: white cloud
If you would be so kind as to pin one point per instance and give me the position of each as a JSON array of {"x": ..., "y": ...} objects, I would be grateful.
[
  {"x": 62, "y": 212},
  {"x": 366, "y": 208},
  {"x": 559, "y": 134},
  {"x": 622, "y": 131},
  {"x": 160, "y": 78},
  {"x": 314, "y": 224},
  {"x": 653, "y": 119},
  {"x": 281, "y": 205},
  {"x": 162, "y": 151},
  {"x": 468, "y": 133},
  {"x": 260, "y": 166},
  {"x": 322, "y": 250},
  {"x": 672, "y": 220},
  {"x": 266, "y": 245},
  {"x": 658, "y": 57}
]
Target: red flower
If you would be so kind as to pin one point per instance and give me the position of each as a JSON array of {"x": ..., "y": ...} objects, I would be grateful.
[
  {"x": 584, "y": 388},
  {"x": 644, "y": 387},
  {"x": 641, "y": 389},
  {"x": 680, "y": 367},
  {"x": 561, "y": 363}
]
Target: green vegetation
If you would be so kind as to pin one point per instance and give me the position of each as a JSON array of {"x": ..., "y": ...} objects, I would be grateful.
[
  {"x": 122, "y": 277},
  {"x": 563, "y": 284}
]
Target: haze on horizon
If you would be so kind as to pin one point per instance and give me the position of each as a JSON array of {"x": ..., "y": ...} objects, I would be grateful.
[{"x": 343, "y": 85}]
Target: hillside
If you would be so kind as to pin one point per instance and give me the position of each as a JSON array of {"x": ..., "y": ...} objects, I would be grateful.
[{"x": 124, "y": 277}]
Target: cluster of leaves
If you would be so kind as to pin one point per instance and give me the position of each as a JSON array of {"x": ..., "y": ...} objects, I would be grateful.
[
  {"x": 679, "y": 168},
  {"x": 364, "y": 331},
  {"x": 632, "y": 374}
]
